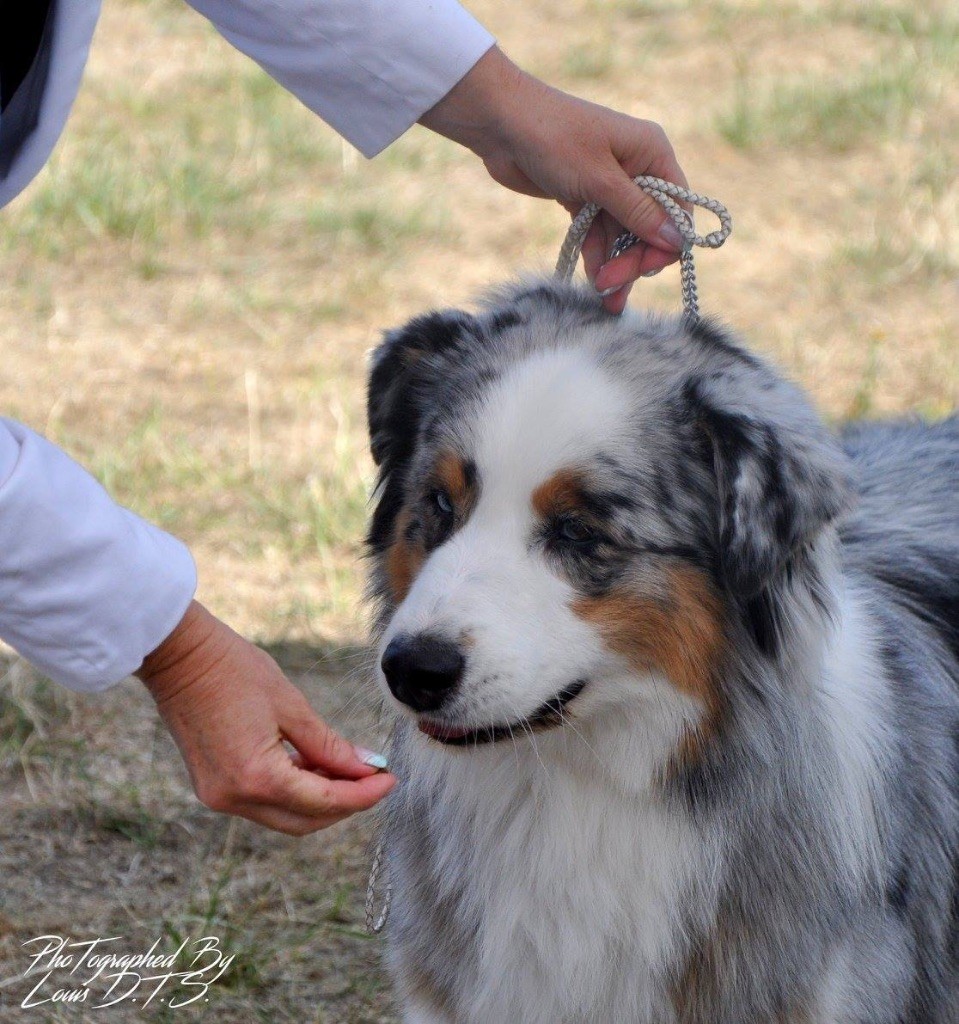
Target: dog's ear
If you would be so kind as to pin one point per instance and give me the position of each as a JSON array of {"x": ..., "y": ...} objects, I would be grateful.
[
  {"x": 780, "y": 477},
  {"x": 409, "y": 371}
]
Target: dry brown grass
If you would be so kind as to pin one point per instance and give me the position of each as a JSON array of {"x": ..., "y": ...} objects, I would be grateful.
[{"x": 186, "y": 299}]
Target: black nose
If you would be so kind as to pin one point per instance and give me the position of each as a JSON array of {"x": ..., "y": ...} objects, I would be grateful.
[{"x": 422, "y": 671}]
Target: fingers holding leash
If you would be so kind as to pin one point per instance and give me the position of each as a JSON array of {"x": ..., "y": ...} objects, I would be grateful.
[{"x": 543, "y": 142}]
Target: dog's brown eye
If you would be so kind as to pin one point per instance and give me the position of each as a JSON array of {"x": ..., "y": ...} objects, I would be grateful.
[{"x": 442, "y": 502}]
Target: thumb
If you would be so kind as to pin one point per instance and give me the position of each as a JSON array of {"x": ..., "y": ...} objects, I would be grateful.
[
  {"x": 638, "y": 212},
  {"x": 321, "y": 747}
]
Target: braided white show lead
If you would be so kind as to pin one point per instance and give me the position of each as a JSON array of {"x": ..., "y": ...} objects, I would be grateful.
[
  {"x": 665, "y": 193},
  {"x": 374, "y": 921}
]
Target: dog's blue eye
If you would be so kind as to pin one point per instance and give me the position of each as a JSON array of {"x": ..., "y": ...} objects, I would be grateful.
[
  {"x": 443, "y": 502},
  {"x": 574, "y": 531}
]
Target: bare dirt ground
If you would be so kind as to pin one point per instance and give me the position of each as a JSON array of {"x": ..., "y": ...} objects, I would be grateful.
[
  {"x": 100, "y": 836},
  {"x": 187, "y": 295}
]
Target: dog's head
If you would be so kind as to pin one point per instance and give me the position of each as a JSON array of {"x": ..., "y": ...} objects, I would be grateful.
[{"x": 576, "y": 511}]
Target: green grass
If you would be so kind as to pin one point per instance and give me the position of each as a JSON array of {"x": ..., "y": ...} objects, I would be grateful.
[
  {"x": 224, "y": 165},
  {"x": 589, "y": 61},
  {"x": 278, "y": 126},
  {"x": 304, "y": 513},
  {"x": 639, "y": 10},
  {"x": 315, "y": 514},
  {"x": 109, "y": 191},
  {"x": 935, "y": 172},
  {"x": 919, "y": 51},
  {"x": 836, "y": 116},
  {"x": 862, "y": 403},
  {"x": 28, "y": 715},
  {"x": 370, "y": 225},
  {"x": 933, "y": 20},
  {"x": 887, "y": 260},
  {"x": 214, "y": 911},
  {"x": 911, "y": 21},
  {"x": 321, "y": 512},
  {"x": 133, "y": 822}
]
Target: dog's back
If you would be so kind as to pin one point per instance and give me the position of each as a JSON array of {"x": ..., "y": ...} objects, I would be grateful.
[
  {"x": 902, "y": 541},
  {"x": 904, "y": 532}
]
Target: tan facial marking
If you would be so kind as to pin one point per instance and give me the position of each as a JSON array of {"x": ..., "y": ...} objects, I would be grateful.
[
  {"x": 680, "y": 634},
  {"x": 404, "y": 559},
  {"x": 560, "y": 493},
  {"x": 450, "y": 474}
]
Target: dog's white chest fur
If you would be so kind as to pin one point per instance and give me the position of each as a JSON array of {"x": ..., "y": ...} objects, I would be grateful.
[{"x": 564, "y": 886}]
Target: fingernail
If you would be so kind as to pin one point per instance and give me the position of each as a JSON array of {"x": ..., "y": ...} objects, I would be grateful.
[
  {"x": 671, "y": 235},
  {"x": 652, "y": 273},
  {"x": 611, "y": 291},
  {"x": 373, "y": 760}
]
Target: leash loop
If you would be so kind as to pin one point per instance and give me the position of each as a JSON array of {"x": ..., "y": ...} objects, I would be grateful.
[{"x": 666, "y": 193}]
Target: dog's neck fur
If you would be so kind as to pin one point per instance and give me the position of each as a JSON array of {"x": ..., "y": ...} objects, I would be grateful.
[
  {"x": 528, "y": 854},
  {"x": 535, "y": 878}
]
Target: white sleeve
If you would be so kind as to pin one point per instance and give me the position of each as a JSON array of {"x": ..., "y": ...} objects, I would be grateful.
[
  {"x": 87, "y": 588},
  {"x": 369, "y": 68},
  {"x": 73, "y": 30}
]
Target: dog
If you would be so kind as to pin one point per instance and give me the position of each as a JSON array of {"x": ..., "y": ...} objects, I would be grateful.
[{"x": 675, "y": 673}]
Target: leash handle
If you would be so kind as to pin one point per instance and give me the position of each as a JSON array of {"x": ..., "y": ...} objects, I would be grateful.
[{"x": 666, "y": 194}]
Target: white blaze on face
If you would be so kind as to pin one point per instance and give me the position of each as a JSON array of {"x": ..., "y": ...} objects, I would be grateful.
[{"x": 485, "y": 586}]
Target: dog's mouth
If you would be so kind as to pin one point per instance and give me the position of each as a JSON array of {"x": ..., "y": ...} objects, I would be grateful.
[{"x": 546, "y": 716}]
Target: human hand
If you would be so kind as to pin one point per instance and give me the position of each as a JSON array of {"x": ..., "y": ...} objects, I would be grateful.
[
  {"x": 229, "y": 708},
  {"x": 542, "y": 142}
]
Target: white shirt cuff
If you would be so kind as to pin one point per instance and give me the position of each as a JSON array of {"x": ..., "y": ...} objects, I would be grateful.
[
  {"x": 369, "y": 68},
  {"x": 87, "y": 588}
]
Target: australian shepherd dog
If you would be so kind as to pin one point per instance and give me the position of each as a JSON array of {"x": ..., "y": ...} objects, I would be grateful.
[{"x": 676, "y": 679}]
